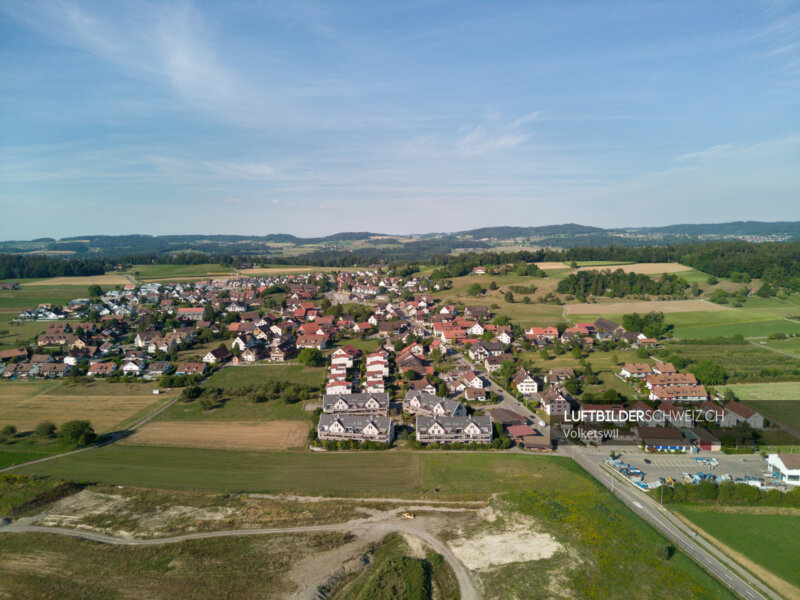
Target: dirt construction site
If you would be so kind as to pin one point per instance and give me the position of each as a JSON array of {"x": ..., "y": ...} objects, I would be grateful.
[{"x": 472, "y": 537}]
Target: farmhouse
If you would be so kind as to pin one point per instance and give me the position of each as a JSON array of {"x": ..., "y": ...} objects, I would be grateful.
[
  {"x": 785, "y": 467},
  {"x": 559, "y": 374},
  {"x": 219, "y": 355},
  {"x": 525, "y": 383},
  {"x": 554, "y": 401},
  {"x": 356, "y": 428},
  {"x": 420, "y": 403},
  {"x": 356, "y": 404},
  {"x": 461, "y": 429}
]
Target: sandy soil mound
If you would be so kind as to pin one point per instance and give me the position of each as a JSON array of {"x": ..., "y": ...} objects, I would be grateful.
[{"x": 517, "y": 544}]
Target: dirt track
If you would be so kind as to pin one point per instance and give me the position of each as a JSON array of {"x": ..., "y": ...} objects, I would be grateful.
[
  {"x": 273, "y": 435},
  {"x": 315, "y": 571}
]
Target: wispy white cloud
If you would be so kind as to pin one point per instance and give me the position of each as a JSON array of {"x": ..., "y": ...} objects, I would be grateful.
[{"x": 495, "y": 135}]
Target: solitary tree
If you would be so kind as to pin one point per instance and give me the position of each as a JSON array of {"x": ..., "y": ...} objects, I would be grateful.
[
  {"x": 509, "y": 297},
  {"x": 311, "y": 357},
  {"x": 77, "y": 433},
  {"x": 95, "y": 291},
  {"x": 474, "y": 289}
]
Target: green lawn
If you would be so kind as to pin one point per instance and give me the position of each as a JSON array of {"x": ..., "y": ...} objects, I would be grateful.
[
  {"x": 769, "y": 540},
  {"x": 235, "y": 377},
  {"x": 235, "y": 408}
]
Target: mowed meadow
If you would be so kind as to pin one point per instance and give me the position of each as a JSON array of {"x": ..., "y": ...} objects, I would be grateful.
[
  {"x": 108, "y": 406},
  {"x": 385, "y": 473},
  {"x": 769, "y": 540}
]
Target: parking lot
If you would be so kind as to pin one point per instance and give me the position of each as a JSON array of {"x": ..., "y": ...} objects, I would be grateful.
[{"x": 665, "y": 465}]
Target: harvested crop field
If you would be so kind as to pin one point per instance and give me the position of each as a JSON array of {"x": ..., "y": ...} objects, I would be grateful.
[
  {"x": 25, "y": 404},
  {"x": 101, "y": 280},
  {"x": 665, "y": 306},
  {"x": 287, "y": 269},
  {"x": 544, "y": 266},
  {"x": 644, "y": 268},
  {"x": 274, "y": 435}
]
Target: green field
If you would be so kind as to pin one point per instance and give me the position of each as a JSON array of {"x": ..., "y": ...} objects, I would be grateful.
[
  {"x": 741, "y": 361},
  {"x": 155, "y": 272},
  {"x": 522, "y": 314},
  {"x": 784, "y": 390},
  {"x": 559, "y": 496},
  {"x": 233, "y": 407},
  {"x": 785, "y": 411},
  {"x": 388, "y": 473},
  {"x": 790, "y": 346},
  {"x": 22, "y": 450},
  {"x": 235, "y": 377},
  {"x": 12, "y": 302},
  {"x": 751, "y": 323},
  {"x": 767, "y": 539}
]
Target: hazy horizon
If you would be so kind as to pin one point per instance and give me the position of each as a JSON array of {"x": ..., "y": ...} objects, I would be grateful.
[{"x": 312, "y": 118}]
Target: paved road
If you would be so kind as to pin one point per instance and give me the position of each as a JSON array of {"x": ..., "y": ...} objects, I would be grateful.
[
  {"x": 713, "y": 560},
  {"x": 508, "y": 401}
]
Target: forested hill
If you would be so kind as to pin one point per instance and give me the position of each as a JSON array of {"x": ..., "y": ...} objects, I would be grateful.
[
  {"x": 400, "y": 247},
  {"x": 739, "y": 228}
]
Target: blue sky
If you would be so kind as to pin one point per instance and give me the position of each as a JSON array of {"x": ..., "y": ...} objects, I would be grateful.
[{"x": 398, "y": 117}]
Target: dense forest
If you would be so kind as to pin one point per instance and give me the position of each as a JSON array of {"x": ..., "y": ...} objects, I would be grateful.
[
  {"x": 13, "y": 266},
  {"x": 618, "y": 284}
]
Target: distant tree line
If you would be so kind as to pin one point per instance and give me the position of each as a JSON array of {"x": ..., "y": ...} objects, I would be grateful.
[
  {"x": 777, "y": 263},
  {"x": 30, "y": 266}
]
